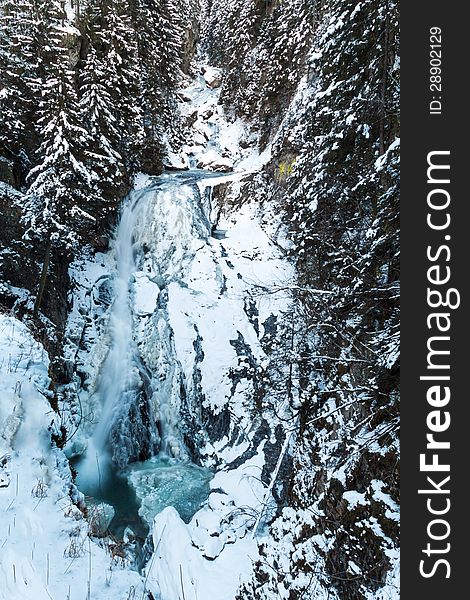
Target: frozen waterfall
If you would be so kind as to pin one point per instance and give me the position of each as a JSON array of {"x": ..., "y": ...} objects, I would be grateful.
[
  {"x": 137, "y": 408},
  {"x": 119, "y": 379}
]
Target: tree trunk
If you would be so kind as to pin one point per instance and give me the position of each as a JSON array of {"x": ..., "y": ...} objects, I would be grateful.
[
  {"x": 383, "y": 94},
  {"x": 42, "y": 281}
]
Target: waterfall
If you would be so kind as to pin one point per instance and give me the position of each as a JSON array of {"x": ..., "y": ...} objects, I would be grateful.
[
  {"x": 120, "y": 381},
  {"x": 136, "y": 460},
  {"x": 137, "y": 416},
  {"x": 118, "y": 368}
]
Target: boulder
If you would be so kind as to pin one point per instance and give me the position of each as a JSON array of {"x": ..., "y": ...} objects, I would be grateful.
[
  {"x": 213, "y": 77},
  {"x": 176, "y": 162},
  {"x": 213, "y": 161}
]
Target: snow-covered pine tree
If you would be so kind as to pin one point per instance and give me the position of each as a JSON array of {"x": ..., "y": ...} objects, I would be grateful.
[
  {"x": 164, "y": 28},
  {"x": 115, "y": 40},
  {"x": 216, "y": 15},
  {"x": 243, "y": 23},
  {"x": 169, "y": 40},
  {"x": 98, "y": 114},
  {"x": 16, "y": 71},
  {"x": 60, "y": 185},
  {"x": 154, "y": 94}
]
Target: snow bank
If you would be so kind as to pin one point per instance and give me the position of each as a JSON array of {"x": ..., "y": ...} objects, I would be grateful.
[{"x": 45, "y": 551}]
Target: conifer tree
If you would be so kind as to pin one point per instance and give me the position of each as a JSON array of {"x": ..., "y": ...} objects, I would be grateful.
[
  {"x": 117, "y": 49},
  {"x": 60, "y": 185},
  {"x": 160, "y": 47},
  {"x": 162, "y": 26},
  {"x": 154, "y": 96},
  {"x": 16, "y": 72},
  {"x": 169, "y": 35},
  {"x": 97, "y": 112}
]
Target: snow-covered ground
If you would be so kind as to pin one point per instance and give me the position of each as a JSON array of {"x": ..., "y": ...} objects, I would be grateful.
[{"x": 45, "y": 550}]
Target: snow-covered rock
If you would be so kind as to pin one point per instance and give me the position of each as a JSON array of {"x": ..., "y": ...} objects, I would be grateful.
[
  {"x": 146, "y": 294},
  {"x": 176, "y": 162},
  {"x": 213, "y": 77},
  {"x": 178, "y": 568},
  {"x": 213, "y": 161}
]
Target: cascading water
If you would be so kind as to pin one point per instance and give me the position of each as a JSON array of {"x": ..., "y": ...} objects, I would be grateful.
[
  {"x": 120, "y": 381},
  {"x": 136, "y": 417}
]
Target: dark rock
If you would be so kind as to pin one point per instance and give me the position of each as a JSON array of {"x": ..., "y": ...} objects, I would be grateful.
[
  {"x": 63, "y": 370},
  {"x": 262, "y": 432},
  {"x": 152, "y": 163},
  {"x": 101, "y": 243},
  {"x": 217, "y": 425}
]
